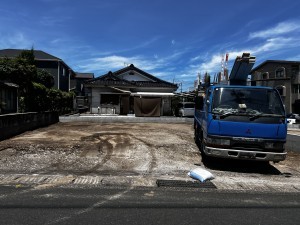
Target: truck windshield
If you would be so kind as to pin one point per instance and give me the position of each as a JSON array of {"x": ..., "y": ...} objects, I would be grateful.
[{"x": 248, "y": 101}]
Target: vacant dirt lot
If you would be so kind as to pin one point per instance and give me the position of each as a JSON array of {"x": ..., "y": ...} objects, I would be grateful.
[
  {"x": 141, "y": 152},
  {"x": 89, "y": 148}
]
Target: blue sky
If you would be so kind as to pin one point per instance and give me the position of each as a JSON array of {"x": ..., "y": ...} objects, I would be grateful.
[{"x": 173, "y": 40}]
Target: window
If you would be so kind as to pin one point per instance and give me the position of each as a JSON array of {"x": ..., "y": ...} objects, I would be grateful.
[
  {"x": 282, "y": 90},
  {"x": 257, "y": 75},
  {"x": 296, "y": 88},
  {"x": 237, "y": 100},
  {"x": 64, "y": 72},
  {"x": 295, "y": 70},
  {"x": 280, "y": 72},
  {"x": 109, "y": 99},
  {"x": 265, "y": 76}
]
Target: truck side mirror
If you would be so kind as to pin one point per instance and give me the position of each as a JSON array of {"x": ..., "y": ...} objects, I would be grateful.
[{"x": 199, "y": 102}]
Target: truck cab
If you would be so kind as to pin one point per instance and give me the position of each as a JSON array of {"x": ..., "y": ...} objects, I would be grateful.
[
  {"x": 238, "y": 121},
  {"x": 241, "y": 122}
]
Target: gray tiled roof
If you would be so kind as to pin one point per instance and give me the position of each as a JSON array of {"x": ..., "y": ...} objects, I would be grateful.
[
  {"x": 111, "y": 79},
  {"x": 84, "y": 75},
  {"x": 39, "y": 55}
]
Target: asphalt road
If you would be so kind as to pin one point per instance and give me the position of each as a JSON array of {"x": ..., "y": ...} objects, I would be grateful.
[{"x": 128, "y": 205}]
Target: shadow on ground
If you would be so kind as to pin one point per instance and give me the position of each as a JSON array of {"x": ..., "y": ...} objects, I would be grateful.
[{"x": 242, "y": 166}]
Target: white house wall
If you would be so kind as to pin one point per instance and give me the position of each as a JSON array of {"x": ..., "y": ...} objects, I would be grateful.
[
  {"x": 134, "y": 77},
  {"x": 95, "y": 100},
  {"x": 161, "y": 90},
  {"x": 109, "y": 109},
  {"x": 103, "y": 109}
]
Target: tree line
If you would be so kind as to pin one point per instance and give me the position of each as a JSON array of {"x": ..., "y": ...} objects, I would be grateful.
[{"x": 36, "y": 92}]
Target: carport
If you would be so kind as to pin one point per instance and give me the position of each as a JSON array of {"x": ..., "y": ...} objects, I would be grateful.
[{"x": 149, "y": 104}]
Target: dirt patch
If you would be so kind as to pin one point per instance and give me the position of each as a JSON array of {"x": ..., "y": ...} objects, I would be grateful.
[
  {"x": 131, "y": 150},
  {"x": 89, "y": 148}
]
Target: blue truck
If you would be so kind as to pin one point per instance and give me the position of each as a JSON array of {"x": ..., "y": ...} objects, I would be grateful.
[{"x": 239, "y": 121}]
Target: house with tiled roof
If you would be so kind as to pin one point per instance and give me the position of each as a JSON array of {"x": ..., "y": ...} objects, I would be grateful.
[
  {"x": 130, "y": 91},
  {"x": 61, "y": 72},
  {"x": 77, "y": 82}
]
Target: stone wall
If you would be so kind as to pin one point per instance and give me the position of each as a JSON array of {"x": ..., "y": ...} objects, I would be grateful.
[{"x": 13, "y": 124}]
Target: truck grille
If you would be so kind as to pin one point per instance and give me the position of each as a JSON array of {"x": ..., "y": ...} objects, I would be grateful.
[
  {"x": 252, "y": 146},
  {"x": 247, "y": 146}
]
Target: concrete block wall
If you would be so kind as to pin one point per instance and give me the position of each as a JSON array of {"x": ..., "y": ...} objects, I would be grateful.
[{"x": 13, "y": 124}]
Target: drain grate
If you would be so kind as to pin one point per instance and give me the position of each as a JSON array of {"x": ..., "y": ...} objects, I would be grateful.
[{"x": 183, "y": 183}]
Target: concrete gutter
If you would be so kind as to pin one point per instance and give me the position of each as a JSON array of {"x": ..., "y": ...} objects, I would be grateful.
[{"x": 124, "y": 119}]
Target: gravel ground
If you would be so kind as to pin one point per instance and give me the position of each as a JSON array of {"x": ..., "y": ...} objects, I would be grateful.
[{"x": 134, "y": 154}]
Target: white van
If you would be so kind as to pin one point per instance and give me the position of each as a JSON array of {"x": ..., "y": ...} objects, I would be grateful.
[{"x": 186, "y": 109}]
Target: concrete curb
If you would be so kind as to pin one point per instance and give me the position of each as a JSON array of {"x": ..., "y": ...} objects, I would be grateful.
[
  {"x": 125, "y": 119},
  {"x": 41, "y": 181},
  {"x": 293, "y": 126}
]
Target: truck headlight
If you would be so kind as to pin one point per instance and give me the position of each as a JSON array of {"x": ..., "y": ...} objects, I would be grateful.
[
  {"x": 274, "y": 145},
  {"x": 217, "y": 141}
]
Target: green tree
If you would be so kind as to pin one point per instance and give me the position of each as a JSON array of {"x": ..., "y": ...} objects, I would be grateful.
[
  {"x": 37, "y": 100},
  {"x": 45, "y": 78},
  {"x": 35, "y": 92},
  {"x": 18, "y": 71},
  {"x": 28, "y": 55}
]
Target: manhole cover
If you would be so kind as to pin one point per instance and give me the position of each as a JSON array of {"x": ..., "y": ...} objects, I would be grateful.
[{"x": 182, "y": 183}]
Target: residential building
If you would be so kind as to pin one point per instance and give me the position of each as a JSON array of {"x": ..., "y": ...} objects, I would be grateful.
[
  {"x": 60, "y": 71},
  {"x": 77, "y": 82},
  {"x": 81, "y": 103},
  {"x": 282, "y": 75},
  {"x": 130, "y": 91},
  {"x": 8, "y": 97}
]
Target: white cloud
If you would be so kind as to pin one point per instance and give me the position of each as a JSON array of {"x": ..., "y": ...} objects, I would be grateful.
[
  {"x": 56, "y": 41},
  {"x": 15, "y": 40},
  {"x": 196, "y": 58},
  {"x": 163, "y": 75},
  {"x": 267, "y": 47},
  {"x": 161, "y": 66},
  {"x": 187, "y": 75},
  {"x": 53, "y": 20},
  {"x": 212, "y": 64},
  {"x": 279, "y": 29},
  {"x": 278, "y": 43},
  {"x": 104, "y": 64}
]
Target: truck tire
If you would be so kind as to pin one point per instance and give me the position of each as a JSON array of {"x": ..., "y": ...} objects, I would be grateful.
[
  {"x": 196, "y": 137},
  {"x": 205, "y": 158}
]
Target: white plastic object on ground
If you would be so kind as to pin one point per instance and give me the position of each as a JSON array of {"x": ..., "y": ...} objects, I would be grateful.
[{"x": 200, "y": 174}]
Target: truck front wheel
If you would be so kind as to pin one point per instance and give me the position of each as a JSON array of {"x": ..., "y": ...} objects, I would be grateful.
[
  {"x": 196, "y": 137},
  {"x": 205, "y": 158}
]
